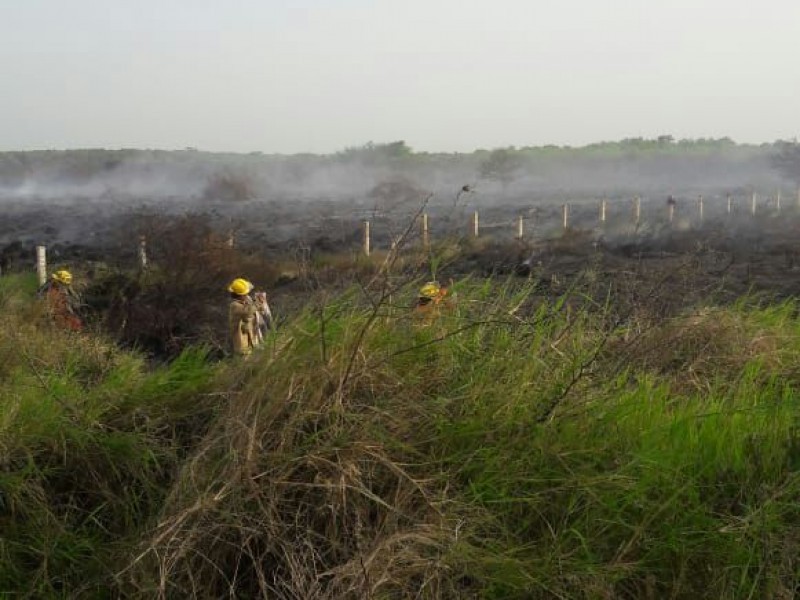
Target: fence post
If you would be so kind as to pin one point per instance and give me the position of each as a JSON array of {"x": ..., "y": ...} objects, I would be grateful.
[
  {"x": 520, "y": 227},
  {"x": 730, "y": 204},
  {"x": 426, "y": 240},
  {"x": 475, "y": 224},
  {"x": 603, "y": 204},
  {"x": 565, "y": 215},
  {"x": 700, "y": 207},
  {"x": 778, "y": 201},
  {"x": 753, "y": 204},
  {"x": 637, "y": 210},
  {"x": 671, "y": 211},
  {"x": 366, "y": 238},
  {"x": 143, "y": 252},
  {"x": 41, "y": 264}
]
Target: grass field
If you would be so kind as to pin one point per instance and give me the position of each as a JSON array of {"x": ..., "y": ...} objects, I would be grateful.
[{"x": 509, "y": 448}]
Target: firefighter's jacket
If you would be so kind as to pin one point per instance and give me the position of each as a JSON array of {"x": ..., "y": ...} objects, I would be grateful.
[
  {"x": 242, "y": 322},
  {"x": 63, "y": 304},
  {"x": 427, "y": 310}
]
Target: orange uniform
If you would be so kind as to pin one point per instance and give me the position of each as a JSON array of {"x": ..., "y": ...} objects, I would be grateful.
[{"x": 61, "y": 304}]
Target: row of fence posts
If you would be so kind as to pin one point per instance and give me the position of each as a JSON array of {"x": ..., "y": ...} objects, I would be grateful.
[
  {"x": 565, "y": 218},
  {"x": 41, "y": 260},
  {"x": 41, "y": 251},
  {"x": 41, "y": 255}
]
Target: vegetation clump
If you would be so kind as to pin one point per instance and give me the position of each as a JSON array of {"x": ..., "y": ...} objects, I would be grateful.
[{"x": 509, "y": 448}]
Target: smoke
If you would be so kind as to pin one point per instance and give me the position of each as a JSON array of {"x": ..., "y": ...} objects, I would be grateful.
[{"x": 83, "y": 191}]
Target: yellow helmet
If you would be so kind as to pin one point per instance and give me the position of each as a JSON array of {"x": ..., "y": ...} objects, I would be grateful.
[
  {"x": 240, "y": 287},
  {"x": 430, "y": 290},
  {"x": 62, "y": 276}
]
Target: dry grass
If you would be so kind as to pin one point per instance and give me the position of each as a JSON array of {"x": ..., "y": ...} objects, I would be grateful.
[
  {"x": 309, "y": 486},
  {"x": 710, "y": 343}
]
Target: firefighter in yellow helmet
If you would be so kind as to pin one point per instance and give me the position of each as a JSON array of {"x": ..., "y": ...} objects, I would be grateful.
[
  {"x": 62, "y": 301},
  {"x": 242, "y": 317},
  {"x": 429, "y": 301}
]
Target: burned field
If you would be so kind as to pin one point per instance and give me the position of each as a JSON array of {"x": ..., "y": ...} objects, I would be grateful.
[
  {"x": 567, "y": 217},
  {"x": 298, "y": 250}
]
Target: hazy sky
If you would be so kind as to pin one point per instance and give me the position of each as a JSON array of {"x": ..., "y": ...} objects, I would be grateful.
[{"x": 315, "y": 75}]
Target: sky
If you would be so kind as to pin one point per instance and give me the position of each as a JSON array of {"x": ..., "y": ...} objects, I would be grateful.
[{"x": 444, "y": 75}]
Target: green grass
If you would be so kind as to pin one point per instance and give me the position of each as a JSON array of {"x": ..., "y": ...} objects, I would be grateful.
[
  {"x": 507, "y": 449},
  {"x": 88, "y": 439}
]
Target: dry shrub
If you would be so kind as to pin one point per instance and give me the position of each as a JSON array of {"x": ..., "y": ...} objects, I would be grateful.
[
  {"x": 231, "y": 187},
  {"x": 180, "y": 299},
  {"x": 573, "y": 240},
  {"x": 398, "y": 193},
  {"x": 709, "y": 343},
  {"x": 308, "y": 487}
]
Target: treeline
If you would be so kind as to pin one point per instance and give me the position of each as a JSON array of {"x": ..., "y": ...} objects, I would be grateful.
[
  {"x": 634, "y": 163},
  {"x": 98, "y": 160}
]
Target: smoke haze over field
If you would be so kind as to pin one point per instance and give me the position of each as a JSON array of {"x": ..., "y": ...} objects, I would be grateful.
[
  {"x": 446, "y": 75},
  {"x": 633, "y": 166},
  {"x": 84, "y": 192}
]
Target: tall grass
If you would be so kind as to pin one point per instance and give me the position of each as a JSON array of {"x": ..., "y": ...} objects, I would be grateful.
[
  {"x": 508, "y": 448},
  {"x": 643, "y": 486},
  {"x": 503, "y": 450},
  {"x": 88, "y": 439}
]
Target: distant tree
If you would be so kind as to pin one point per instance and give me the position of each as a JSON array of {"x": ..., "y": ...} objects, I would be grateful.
[
  {"x": 397, "y": 149},
  {"x": 501, "y": 165},
  {"x": 229, "y": 186},
  {"x": 396, "y": 193},
  {"x": 372, "y": 153},
  {"x": 786, "y": 160}
]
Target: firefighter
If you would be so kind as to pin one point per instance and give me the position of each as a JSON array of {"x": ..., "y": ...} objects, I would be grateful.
[
  {"x": 242, "y": 318},
  {"x": 62, "y": 301},
  {"x": 429, "y": 301}
]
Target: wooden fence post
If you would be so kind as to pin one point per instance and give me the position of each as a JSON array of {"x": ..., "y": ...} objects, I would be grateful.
[
  {"x": 565, "y": 215},
  {"x": 700, "y": 213},
  {"x": 730, "y": 204},
  {"x": 143, "y": 252},
  {"x": 520, "y": 227},
  {"x": 41, "y": 264},
  {"x": 637, "y": 210},
  {"x": 603, "y": 206},
  {"x": 778, "y": 201},
  {"x": 475, "y": 224},
  {"x": 426, "y": 240},
  {"x": 366, "y": 239},
  {"x": 753, "y": 202}
]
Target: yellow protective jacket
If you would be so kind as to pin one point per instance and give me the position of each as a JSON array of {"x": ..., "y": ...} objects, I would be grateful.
[
  {"x": 428, "y": 310},
  {"x": 241, "y": 325}
]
